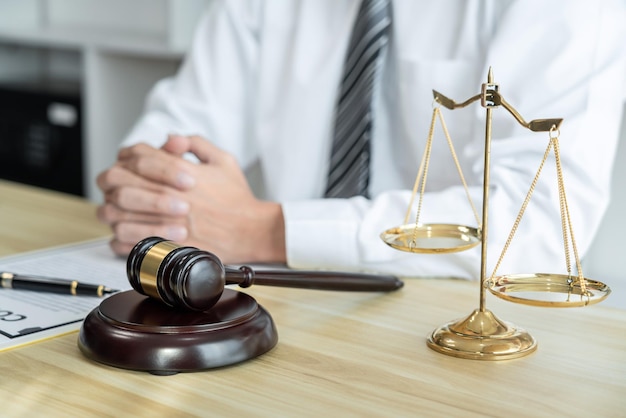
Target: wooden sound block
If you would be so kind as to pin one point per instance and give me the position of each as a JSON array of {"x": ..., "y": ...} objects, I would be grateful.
[{"x": 131, "y": 331}]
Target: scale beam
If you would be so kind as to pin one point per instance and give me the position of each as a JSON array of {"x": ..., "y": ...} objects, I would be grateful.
[{"x": 495, "y": 99}]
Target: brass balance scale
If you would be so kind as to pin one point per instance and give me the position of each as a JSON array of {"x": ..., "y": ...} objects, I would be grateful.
[{"x": 482, "y": 335}]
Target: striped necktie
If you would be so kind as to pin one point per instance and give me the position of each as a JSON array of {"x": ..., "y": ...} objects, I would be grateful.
[{"x": 350, "y": 157}]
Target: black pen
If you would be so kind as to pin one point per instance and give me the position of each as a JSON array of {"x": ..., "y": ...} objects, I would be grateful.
[{"x": 52, "y": 285}]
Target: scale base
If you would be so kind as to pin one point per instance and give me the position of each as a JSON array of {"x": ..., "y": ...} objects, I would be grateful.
[
  {"x": 482, "y": 336},
  {"x": 131, "y": 331}
]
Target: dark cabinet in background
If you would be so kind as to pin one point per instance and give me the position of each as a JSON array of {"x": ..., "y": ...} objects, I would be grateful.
[{"x": 41, "y": 137}]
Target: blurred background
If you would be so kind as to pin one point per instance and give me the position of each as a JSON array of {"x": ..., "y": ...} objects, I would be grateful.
[
  {"x": 74, "y": 75},
  {"x": 73, "y": 78}
]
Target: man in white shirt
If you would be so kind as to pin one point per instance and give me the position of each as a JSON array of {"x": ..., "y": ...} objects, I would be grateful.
[{"x": 255, "y": 99}]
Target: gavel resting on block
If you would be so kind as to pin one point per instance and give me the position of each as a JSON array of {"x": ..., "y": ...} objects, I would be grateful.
[
  {"x": 190, "y": 278},
  {"x": 189, "y": 322}
]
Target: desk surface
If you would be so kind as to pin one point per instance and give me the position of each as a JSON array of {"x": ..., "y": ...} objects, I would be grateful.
[{"x": 342, "y": 354}]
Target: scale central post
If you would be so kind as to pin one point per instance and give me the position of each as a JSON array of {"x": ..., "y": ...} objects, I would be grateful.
[
  {"x": 482, "y": 335},
  {"x": 487, "y": 101}
]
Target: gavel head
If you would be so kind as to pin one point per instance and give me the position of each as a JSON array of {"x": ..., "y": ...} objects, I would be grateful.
[{"x": 178, "y": 276}]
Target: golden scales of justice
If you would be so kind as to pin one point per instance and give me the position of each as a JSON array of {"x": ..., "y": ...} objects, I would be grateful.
[{"x": 482, "y": 335}]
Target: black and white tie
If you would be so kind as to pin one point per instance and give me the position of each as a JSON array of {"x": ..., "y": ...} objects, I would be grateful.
[{"x": 350, "y": 157}]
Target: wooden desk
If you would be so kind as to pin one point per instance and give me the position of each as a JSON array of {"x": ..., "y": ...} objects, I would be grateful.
[
  {"x": 33, "y": 218},
  {"x": 339, "y": 354}
]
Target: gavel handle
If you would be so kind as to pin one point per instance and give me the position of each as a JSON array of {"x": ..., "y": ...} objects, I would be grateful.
[{"x": 321, "y": 280}]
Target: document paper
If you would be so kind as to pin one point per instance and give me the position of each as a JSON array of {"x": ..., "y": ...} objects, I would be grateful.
[{"x": 28, "y": 316}]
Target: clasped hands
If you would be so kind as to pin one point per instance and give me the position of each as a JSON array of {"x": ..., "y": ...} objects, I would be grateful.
[{"x": 156, "y": 192}]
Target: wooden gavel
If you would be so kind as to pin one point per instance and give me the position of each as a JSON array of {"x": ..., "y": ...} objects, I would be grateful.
[{"x": 194, "y": 279}]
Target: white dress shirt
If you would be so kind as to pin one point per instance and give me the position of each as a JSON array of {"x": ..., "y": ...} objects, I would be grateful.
[{"x": 261, "y": 81}]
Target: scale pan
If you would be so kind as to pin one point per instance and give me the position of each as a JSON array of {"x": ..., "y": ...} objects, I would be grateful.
[
  {"x": 552, "y": 290},
  {"x": 431, "y": 238}
]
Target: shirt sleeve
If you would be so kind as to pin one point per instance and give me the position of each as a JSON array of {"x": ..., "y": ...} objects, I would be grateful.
[
  {"x": 211, "y": 93},
  {"x": 567, "y": 61}
]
